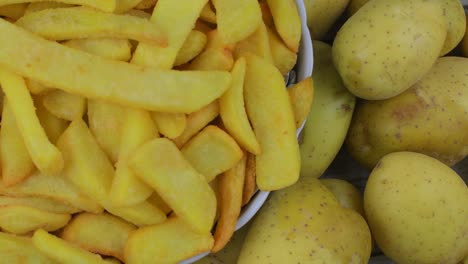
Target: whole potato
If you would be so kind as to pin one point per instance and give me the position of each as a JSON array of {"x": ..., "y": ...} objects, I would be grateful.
[
  {"x": 464, "y": 43},
  {"x": 430, "y": 118},
  {"x": 387, "y": 46},
  {"x": 456, "y": 24},
  {"x": 348, "y": 196},
  {"x": 355, "y": 5},
  {"x": 417, "y": 209},
  {"x": 322, "y": 14}
]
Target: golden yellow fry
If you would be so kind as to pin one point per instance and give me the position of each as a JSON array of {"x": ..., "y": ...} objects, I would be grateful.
[
  {"x": 13, "y": 11},
  {"x": 20, "y": 219},
  {"x": 233, "y": 113},
  {"x": 36, "y": 88},
  {"x": 99, "y": 233},
  {"x": 142, "y": 214},
  {"x": 301, "y": 96},
  {"x": 16, "y": 162},
  {"x": 237, "y": 19},
  {"x": 104, "y": 5},
  {"x": 111, "y": 48},
  {"x": 145, "y": 4},
  {"x": 287, "y": 21},
  {"x": 86, "y": 165},
  {"x": 64, "y": 105},
  {"x": 62, "y": 251},
  {"x": 258, "y": 43},
  {"x": 283, "y": 58},
  {"x": 43, "y": 204},
  {"x": 39, "y": 6},
  {"x": 156, "y": 200},
  {"x": 170, "y": 125},
  {"x": 212, "y": 60},
  {"x": 212, "y": 152},
  {"x": 131, "y": 85},
  {"x": 250, "y": 185},
  {"x": 196, "y": 121},
  {"x": 207, "y": 14},
  {"x": 137, "y": 128},
  {"x": 230, "y": 185},
  {"x": 53, "y": 126},
  {"x": 44, "y": 154},
  {"x": 272, "y": 118},
  {"x": 56, "y": 188},
  {"x": 192, "y": 47},
  {"x": 215, "y": 41},
  {"x": 170, "y": 242},
  {"x": 125, "y": 5},
  {"x": 20, "y": 249},
  {"x": 185, "y": 190},
  {"x": 140, "y": 14}
]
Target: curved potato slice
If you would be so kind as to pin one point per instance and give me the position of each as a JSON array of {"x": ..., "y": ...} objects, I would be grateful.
[
  {"x": 104, "y": 5},
  {"x": 142, "y": 214},
  {"x": 19, "y": 249},
  {"x": 111, "y": 48},
  {"x": 43, "y": 204},
  {"x": 193, "y": 46},
  {"x": 287, "y": 21}
]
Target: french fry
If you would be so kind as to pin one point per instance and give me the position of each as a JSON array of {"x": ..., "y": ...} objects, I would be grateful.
[
  {"x": 53, "y": 126},
  {"x": 104, "y": 5},
  {"x": 170, "y": 242},
  {"x": 258, "y": 43},
  {"x": 212, "y": 152},
  {"x": 170, "y": 125},
  {"x": 212, "y": 60},
  {"x": 301, "y": 96},
  {"x": 196, "y": 121},
  {"x": 139, "y": 13},
  {"x": 192, "y": 47},
  {"x": 215, "y": 41},
  {"x": 127, "y": 189},
  {"x": 272, "y": 119},
  {"x": 44, "y": 154},
  {"x": 111, "y": 48},
  {"x": 145, "y": 4},
  {"x": 20, "y": 219},
  {"x": 55, "y": 188},
  {"x": 19, "y": 249},
  {"x": 37, "y": 88},
  {"x": 43, "y": 204},
  {"x": 16, "y": 162},
  {"x": 283, "y": 58},
  {"x": 86, "y": 165},
  {"x": 208, "y": 14},
  {"x": 79, "y": 23},
  {"x": 13, "y": 11},
  {"x": 233, "y": 113},
  {"x": 156, "y": 200},
  {"x": 64, "y": 105},
  {"x": 185, "y": 191},
  {"x": 39, "y": 6},
  {"x": 287, "y": 21},
  {"x": 237, "y": 19},
  {"x": 126, "y": 5},
  {"x": 99, "y": 233},
  {"x": 231, "y": 184},
  {"x": 158, "y": 90},
  {"x": 142, "y": 214},
  {"x": 250, "y": 185},
  {"x": 62, "y": 251}
]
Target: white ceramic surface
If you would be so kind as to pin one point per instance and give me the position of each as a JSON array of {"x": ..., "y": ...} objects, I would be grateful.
[{"x": 303, "y": 70}]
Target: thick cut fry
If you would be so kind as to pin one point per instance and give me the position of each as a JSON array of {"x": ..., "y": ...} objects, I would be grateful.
[
  {"x": 283, "y": 58},
  {"x": 212, "y": 60},
  {"x": 196, "y": 121},
  {"x": 208, "y": 14},
  {"x": 142, "y": 214},
  {"x": 53, "y": 126},
  {"x": 52, "y": 187},
  {"x": 39, "y": 6},
  {"x": 287, "y": 21},
  {"x": 212, "y": 152},
  {"x": 250, "y": 185},
  {"x": 86, "y": 165},
  {"x": 237, "y": 19},
  {"x": 216, "y": 42},
  {"x": 147, "y": 88},
  {"x": 272, "y": 117},
  {"x": 44, "y": 154},
  {"x": 170, "y": 242},
  {"x": 104, "y": 5},
  {"x": 63, "y": 251},
  {"x": 19, "y": 249},
  {"x": 145, "y": 4},
  {"x": 162, "y": 166},
  {"x": 301, "y": 96},
  {"x": 170, "y": 125},
  {"x": 125, "y": 5},
  {"x": 156, "y": 200},
  {"x": 43, "y": 204},
  {"x": 232, "y": 110},
  {"x": 99, "y": 233},
  {"x": 257, "y": 43},
  {"x": 36, "y": 88},
  {"x": 127, "y": 189},
  {"x": 230, "y": 187},
  {"x": 111, "y": 48},
  {"x": 13, "y": 11},
  {"x": 16, "y": 163},
  {"x": 64, "y": 105},
  {"x": 192, "y": 47},
  {"x": 20, "y": 219}
]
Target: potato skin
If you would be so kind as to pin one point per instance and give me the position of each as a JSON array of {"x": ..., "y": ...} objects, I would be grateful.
[
  {"x": 387, "y": 46},
  {"x": 417, "y": 209},
  {"x": 322, "y": 14},
  {"x": 429, "y": 118},
  {"x": 456, "y": 24},
  {"x": 464, "y": 43}
]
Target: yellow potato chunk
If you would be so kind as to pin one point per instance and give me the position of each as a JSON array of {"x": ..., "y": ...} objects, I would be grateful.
[
  {"x": 104, "y": 5},
  {"x": 111, "y": 48},
  {"x": 212, "y": 60},
  {"x": 301, "y": 96},
  {"x": 142, "y": 214},
  {"x": 257, "y": 43},
  {"x": 287, "y": 21},
  {"x": 43, "y": 204},
  {"x": 19, "y": 249},
  {"x": 37, "y": 88},
  {"x": 170, "y": 125},
  {"x": 53, "y": 126},
  {"x": 39, "y": 6},
  {"x": 64, "y": 105},
  {"x": 283, "y": 58},
  {"x": 192, "y": 47}
]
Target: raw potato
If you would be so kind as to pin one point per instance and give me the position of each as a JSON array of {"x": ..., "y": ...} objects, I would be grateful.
[
  {"x": 355, "y": 5},
  {"x": 329, "y": 116},
  {"x": 416, "y": 208},
  {"x": 301, "y": 95},
  {"x": 322, "y": 14},
  {"x": 348, "y": 196},
  {"x": 287, "y": 21},
  {"x": 18, "y": 249},
  {"x": 372, "y": 67},
  {"x": 104, "y": 5},
  {"x": 305, "y": 224},
  {"x": 464, "y": 43},
  {"x": 456, "y": 24},
  {"x": 429, "y": 118}
]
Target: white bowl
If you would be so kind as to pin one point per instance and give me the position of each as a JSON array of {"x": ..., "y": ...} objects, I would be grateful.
[{"x": 303, "y": 70}]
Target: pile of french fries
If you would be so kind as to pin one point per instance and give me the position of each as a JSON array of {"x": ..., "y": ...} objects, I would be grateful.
[{"x": 135, "y": 131}]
